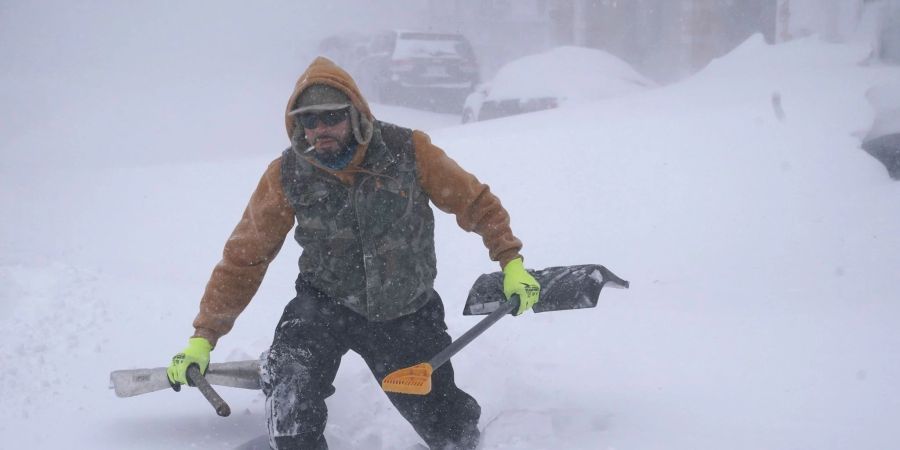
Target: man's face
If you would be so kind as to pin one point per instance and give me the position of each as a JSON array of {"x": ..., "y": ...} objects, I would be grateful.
[{"x": 327, "y": 131}]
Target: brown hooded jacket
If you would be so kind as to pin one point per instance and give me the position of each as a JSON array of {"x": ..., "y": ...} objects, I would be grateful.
[{"x": 269, "y": 217}]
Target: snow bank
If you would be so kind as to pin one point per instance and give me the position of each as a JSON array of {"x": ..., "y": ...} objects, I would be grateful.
[{"x": 575, "y": 74}]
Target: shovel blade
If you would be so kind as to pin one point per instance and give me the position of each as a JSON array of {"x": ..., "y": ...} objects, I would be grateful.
[
  {"x": 128, "y": 383},
  {"x": 239, "y": 374},
  {"x": 563, "y": 287},
  {"x": 415, "y": 380}
]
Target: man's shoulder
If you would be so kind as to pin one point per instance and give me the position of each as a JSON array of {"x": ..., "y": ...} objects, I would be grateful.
[
  {"x": 391, "y": 127},
  {"x": 273, "y": 170},
  {"x": 275, "y": 165},
  {"x": 395, "y": 136},
  {"x": 383, "y": 124}
]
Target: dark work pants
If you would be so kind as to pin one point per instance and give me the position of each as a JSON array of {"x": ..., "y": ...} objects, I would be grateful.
[{"x": 312, "y": 335}]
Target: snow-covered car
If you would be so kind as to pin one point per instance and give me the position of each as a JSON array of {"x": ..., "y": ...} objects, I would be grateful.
[
  {"x": 413, "y": 67},
  {"x": 560, "y": 76}
]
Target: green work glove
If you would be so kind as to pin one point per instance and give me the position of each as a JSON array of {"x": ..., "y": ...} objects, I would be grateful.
[
  {"x": 197, "y": 352},
  {"x": 517, "y": 281}
]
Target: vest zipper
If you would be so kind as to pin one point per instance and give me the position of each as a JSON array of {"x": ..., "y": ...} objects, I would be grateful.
[{"x": 365, "y": 245}]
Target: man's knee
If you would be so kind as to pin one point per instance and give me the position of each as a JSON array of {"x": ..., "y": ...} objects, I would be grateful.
[
  {"x": 295, "y": 371},
  {"x": 283, "y": 365}
]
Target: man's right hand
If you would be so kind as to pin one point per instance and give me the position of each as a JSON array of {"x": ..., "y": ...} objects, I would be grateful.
[
  {"x": 197, "y": 352},
  {"x": 517, "y": 281}
]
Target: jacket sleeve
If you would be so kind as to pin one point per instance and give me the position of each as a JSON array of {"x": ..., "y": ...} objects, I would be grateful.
[
  {"x": 455, "y": 191},
  {"x": 253, "y": 244}
]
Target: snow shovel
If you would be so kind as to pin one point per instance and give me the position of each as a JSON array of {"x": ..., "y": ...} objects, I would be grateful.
[
  {"x": 568, "y": 287},
  {"x": 239, "y": 374}
]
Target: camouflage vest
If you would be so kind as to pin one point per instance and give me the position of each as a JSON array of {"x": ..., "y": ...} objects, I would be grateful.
[{"x": 370, "y": 246}]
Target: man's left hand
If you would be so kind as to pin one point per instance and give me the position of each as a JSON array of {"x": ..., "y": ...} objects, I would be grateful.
[{"x": 517, "y": 281}]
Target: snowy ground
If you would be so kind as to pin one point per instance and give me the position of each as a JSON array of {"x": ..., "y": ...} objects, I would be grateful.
[{"x": 763, "y": 254}]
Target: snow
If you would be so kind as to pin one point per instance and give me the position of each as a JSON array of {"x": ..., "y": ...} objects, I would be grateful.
[
  {"x": 885, "y": 99},
  {"x": 763, "y": 256},
  {"x": 570, "y": 73},
  {"x": 418, "y": 45}
]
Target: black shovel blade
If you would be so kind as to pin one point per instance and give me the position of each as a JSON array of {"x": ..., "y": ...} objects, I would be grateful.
[{"x": 564, "y": 287}]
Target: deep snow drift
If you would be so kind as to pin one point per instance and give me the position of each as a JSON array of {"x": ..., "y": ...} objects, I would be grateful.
[{"x": 763, "y": 254}]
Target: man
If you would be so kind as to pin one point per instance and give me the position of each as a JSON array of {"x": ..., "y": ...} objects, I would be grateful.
[{"x": 359, "y": 190}]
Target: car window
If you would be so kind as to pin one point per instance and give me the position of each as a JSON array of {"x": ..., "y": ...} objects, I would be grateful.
[{"x": 428, "y": 45}]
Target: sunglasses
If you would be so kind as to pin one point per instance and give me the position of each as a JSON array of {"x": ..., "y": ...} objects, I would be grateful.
[{"x": 329, "y": 118}]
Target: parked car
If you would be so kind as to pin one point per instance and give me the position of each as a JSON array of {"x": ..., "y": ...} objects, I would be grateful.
[
  {"x": 560, "y": 76},
  {"x": 417, "y": 68}
]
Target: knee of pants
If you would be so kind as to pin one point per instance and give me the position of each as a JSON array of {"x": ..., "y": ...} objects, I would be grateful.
[
  {"x": 279, "y": 364},
  {"x": 294, "y": 369},
  {"x": 471, "y": 410}
]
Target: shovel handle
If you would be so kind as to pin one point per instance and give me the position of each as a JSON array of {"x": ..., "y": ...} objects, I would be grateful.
[
  {"x": 199, "y": 381},
  {"x": 505, "y": 308}
]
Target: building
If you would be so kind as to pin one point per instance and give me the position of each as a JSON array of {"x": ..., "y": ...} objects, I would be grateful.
[{"x": 664, "y": 39}]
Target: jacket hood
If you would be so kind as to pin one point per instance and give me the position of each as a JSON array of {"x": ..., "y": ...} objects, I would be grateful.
[{"x": 324, "y": 71}]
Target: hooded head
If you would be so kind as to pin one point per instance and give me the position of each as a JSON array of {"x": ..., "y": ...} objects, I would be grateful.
[{"x": 326, "y": 87}]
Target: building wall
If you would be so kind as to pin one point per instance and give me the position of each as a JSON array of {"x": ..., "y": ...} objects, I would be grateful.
[
  {"x": 664, "y": 39},
  {"x": 668, "y": 39}
]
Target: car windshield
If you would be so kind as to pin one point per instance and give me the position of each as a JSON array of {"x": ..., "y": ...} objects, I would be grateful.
[{"x": 426, "y": 45}]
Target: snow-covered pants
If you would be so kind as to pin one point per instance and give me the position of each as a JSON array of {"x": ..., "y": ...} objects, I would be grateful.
[{"x": 312, "y": 335}]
